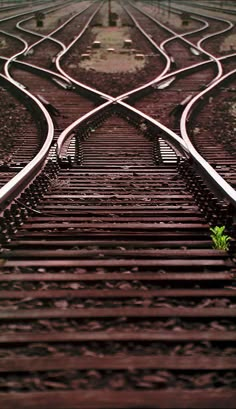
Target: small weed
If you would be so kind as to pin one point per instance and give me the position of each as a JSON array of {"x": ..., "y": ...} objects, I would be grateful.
[
  {"x": 56, "y": 183},
  {"x": 220, "y": 240}
]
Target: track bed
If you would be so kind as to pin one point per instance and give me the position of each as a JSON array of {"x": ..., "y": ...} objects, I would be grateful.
[{"x": 115, "y": 285}]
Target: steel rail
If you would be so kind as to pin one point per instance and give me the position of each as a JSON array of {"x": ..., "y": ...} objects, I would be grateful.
[
  {"x": 66, "y": 49},
  {"x": 70, "y": 129},
  {"x": 10, "y": 189},
  {"x": 46, "y": 37},
  {"x": 184, "y": 146},
  {"x": 63, "y": 76},
  {"x": 9, "y": 60},
  {"x": 22, "y": 4},
  {"x": 152, "y": 42},
  {"x": 210, "y": 8},
  {"x": 18, "y": 182},
  {"x": 177, "y": 141},
  {"x": 144, "y": 33},
  {"x": 231, "y": 25},
  {"x": 49, "y": 36},
  {"x": 61, "y": 54},
  {"x": 18, "y": 6},
  {"x": 35, "y": 67},
  {"x": 175, "y": 35},
  {"x": 199, "y": 47},
  {"x": 155, "y": 82},
  {"x": 222, "y": 186},
  {"x": 227, "y": 190},
  {"x": 67, "y": 132},
  {"x": 206, "y": 25},
  {"x": 174, "y": 139},
  {"x": 199, "y": 44},
  {"x": 8, "y": 63},
  {"x": 181, "y": 37},
  {"x": 165, "y": 55},
  {"x": 24, "y": 13},
  {"x": 43, "y": 37},
  {"x": 172, "y": 73},
  {"x": 99, "y": 225},
  {"x": 15, "y": 37}
]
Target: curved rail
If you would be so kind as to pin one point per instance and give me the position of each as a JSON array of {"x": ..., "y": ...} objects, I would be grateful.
[
  {"x": 214, "y": 8},
  {"x": 63, "y": 76},
  {"x": 164, "y": 54},
  {"x": 199, "y": 47},
  {"x": 174, "y": 34},
  {"x": 7, "y": 65},
  {"x": 24, "y": 13},
  {"x": 63, "y": 52},
  {"x": 49, "y": 36},
  {"x": 220, "y": 69},
  {"x": 171, "y": 75},
  {"x": 227, "y": 190},
  {"x": 18, "y": 25},
  {"x": 182, "y": 36},
  {"x": 34, "y": 67},
  {"x": 172, "y": 137},
  {"x": 15, "y": 37},
  {"x": 182, "y": 145},
  {"x": 174, "y": 37},
  {"x": 68, "y": 131},
  {"x": 17, "y": 183}
]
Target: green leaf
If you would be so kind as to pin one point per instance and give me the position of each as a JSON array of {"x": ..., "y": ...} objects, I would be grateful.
[{"x": 220, "y": 240}]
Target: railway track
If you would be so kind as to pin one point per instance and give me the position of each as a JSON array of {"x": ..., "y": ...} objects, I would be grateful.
[
  {"x": 101, "y": 261},
  {"x": 8, "y": 11},
  {"x": 51, "y": 90},
  {"x": 221, "y": 137},
  {"x": 17, "y": 151},
  {"x": 211, "y": 43},
  {"x": 17, "y": 32},
  {"x": 171, "y": 102},
  {"x": 221, "y": 8},
  {"x": 111, "y": 80},
  {"x": 178, "y": 50},
  {"x": 112, "y": 295}
]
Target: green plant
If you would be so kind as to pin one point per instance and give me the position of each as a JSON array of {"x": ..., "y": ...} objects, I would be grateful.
[{"x": 220, "y": 240}]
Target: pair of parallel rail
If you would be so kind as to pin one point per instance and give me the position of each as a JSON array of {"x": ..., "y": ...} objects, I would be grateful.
[{"x": 108, "y": 271}]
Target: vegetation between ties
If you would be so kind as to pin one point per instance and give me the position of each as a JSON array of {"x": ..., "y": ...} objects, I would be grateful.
[{"x": 220, "y": 240}]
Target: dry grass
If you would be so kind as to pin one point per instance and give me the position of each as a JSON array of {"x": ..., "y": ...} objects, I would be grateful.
[
  {"x": 229, "y": 44},
  {"x": 3, "y": 44},
  {"x": 233, "y": 109}
]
